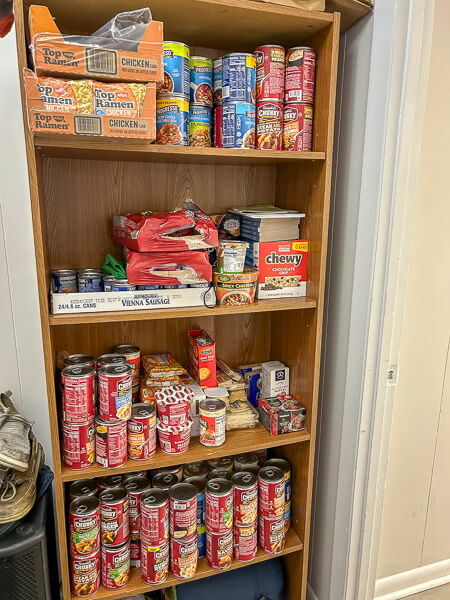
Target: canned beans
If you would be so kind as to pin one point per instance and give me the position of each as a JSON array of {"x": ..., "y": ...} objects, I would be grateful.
[
  {"x": 201, "y": 81},
  {"x": 111, "y": 443},
  {"x": 78, "y": 393},
  {"x": 142, "y": 432},
  {"x": 115, "y": 383},
  {"x": 270, "y": 72},
  {"x": 183, "y": 510},
  {"x": 114, "y": 517},
  {"x": 297, "y": 128},
  {"x": 155, "y": 515},
  {"x": 212, "y": 422},
  {"x": 84, "y": 525},
  {"x": 269, "y": 125},
  {"x": 79, "y": 445},
  {"x": 85, "y": 574},
  {"x": 172, "y": 120},
  {"x": 184, "y": 557},
  {"x": 115, "y": 566},
  {"x": 271, "y": 492},
  {"x": 78, "y": 360},
  {"x": 219, "y": 550},
  {"x": 154, "y": 561},
  {"x": 219, "y": 505},
  {"x": 300, "y": 75}
]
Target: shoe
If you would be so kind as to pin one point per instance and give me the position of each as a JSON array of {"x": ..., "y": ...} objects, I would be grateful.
[
  {"x": 14, "y": 436},
  {"x": 18, "y": 490}
]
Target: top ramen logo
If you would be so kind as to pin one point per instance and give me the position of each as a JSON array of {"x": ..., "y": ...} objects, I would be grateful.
[
  {"x": 283, "y": 259},
  {"x": 85, "y": 522}
]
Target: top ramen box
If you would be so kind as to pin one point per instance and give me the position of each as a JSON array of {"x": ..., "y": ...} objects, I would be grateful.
[
  {"x": 202, "y": 357},
  {"x": 81, "y": 56},
  {"x": 282, "y": 268}
]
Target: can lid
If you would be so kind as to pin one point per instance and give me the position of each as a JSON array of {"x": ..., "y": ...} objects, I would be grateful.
[
  {"x": 88, "y": 272},
  {"x": 126, "y": 349},
  {"x": 84, "y": 505},
  {"x": 155, "y": 497},
  {"x": 110, "y": 481},
  {"x": 183, "y": 491},
  {"x": 115, "y": 369},
  {"x": 201, "y": 58},
  {"x": 213, "y": 405},
  {"x": 77, "y": 371},
  {"x": 111, "y": 359},
  {"x": 198, "y": 482},
  {"x": 83, "y": 487},
  {"x": 239, "y": 54},
  {"x": 271, "y": 474},
  {"x": 142, "y": 410},
  {"x": 255, "y": 469},
  {"x": 300, "y": 48},
  {"x": 64, "y": 272},
  {"x": 137, "y": 484},
  {"x": 113, "y": 495},
  {"x": 221, "y": 473},
  {"x": 223, "y": 461},
  {"x": 281, "y": 463},
  {"x": 78, "y": 359},
  {"x": 219, "y": 487},
  {"x": 244, "y": 480},
  {"x": 196, "y": 469},
  {"x": 249, "y": 458},
  {"x": 164, "y": 480}
]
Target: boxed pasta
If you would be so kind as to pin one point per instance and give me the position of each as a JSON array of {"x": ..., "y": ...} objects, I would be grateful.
[
  {"x": 88, "y": 107},
  {"x": 129, "y": 47}
]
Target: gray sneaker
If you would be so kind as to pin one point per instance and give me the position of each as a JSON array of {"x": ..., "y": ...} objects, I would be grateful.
[{"x": 14, "y": 436}]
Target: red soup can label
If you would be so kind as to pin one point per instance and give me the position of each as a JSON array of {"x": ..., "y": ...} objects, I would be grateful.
[
  {"x": 133, "y": 356},
  {"x": 271, "y": 492},
  {"x": 116, "y": 566},
  {"x": 270, "y": 61},
  {"x": 142, "y": 432},
  {"x": 183, "y": 510},
  {"x": 115, "y": 383},
  {"x": 84, "y": 525},
  {"x": 154, "y": 561},
  {"x": 245, "y": 498},
  {"x": 155, "y": 515},
  {"x": 217, "y": 126},
  {"x": 79, "y": 445},
  {"x": 85, "y": 574},
  {"x": 219, "y": 549},
  {"x": 298, "y": 126},
  {"x": 114, "y": 517},
  {"x": 184, "y": 557},
  {"x": 269, "y": 125},
  {"x": 110, "y": 443},
  {"x": 219, "y": 505},
  {"x": 136, "y": 487},
  {"x": 245, "y": 542},
  {"x": 78, "y": 393},
  {"x": 300, "y": 75},
  {"x": 271, "y": 535}
]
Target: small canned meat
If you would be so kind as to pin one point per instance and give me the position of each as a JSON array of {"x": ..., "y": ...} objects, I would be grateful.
[
  {"x": 172, "y": 120},
  {"x": 271, "y": 492},
  {"x": 300, "y": 75},
  {"x": 220, "y": 474},
  {"x": 116, "y": 566},
  {"x": 135, "y": 549},
  {"x": 154, "y": 561},
  {"x": 184, "y": 557},
  {"x": 133, "y": 356},
  {"x": 242, "y": 461},
  {"x": 110, "y": 481},
  {"x": 142, "y": 432},
  {"x": 79, "y": 445},
  {"x": 174, "y": 404},
  {"x": 217, "y": 126},
  {"x": 164, "y": 480},
  {"x": 224, "y": 462},
  {"x": 78, "y": 391},
  {"x": 90, "y": 280},
  {"x": 155, "y": 515},
  {"x": 245, "y": 498},
  {"x": 201, "y": 81},
  {"x": 110, "y": 443},
  {"x": 212, "y": 422},
  {"x": 182, "y": 510},
  {"x": 110, "y": 359},
  {"x": 239, "y": 78},
  {"x": 174, "y": 439},
  {"x": 114, "y": 517},
  {"x": 136, "y": 487},
  {"x": 200, "y": 483},
  {"x": 85, "y": 574},
  {"x": 270, "y": 61},
  {"x": 271, "y": 535},
  {"x": 245, "y": 542},
  {"x": 83, "y": 487},
  {"x": 84, "y": 525},
  {"x": 269, "y": 125},
  {"x": 219, "y": 505},
  {"x": 238, "y": 125},
  {"x": 176, "y": 69},
  {"x": 219, "y": 550},
  {"x": 196, "y": 469},
  {"x": 78, "y": 360},
  {"x": 115, "y": 394},
  {"x": 297, "y": 127},
  {"x": 65, "y": 281},
  {"x": 199, "y": 125},
  {"x": 217, "y": 80}
]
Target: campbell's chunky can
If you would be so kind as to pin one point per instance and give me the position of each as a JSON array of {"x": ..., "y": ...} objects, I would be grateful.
[
  {"x": 83, "y": 487},
  {"x": 219, "y": 549},
  {"x": 78, "y": 391},
  {"x": 183, "y": 510},
  {"x": 196, "y": 469},
  {"x": 136, "y": 487},
  {"x": 212, "y": 422},
  {"x": 115, "y": 566},
  {"x": 241, "y": 462},
  {"x": 269, "y": 125},
  {"x": 115, "y": 392},
  {"x": 300, "y": 75},
  {"x": 114, "y": 517},
  {"x": 110, "y": 481},
  {"x": 135, "y": 549},
  {"x": 184, "y": 557},
  {"x": 245, "y": 541},
  {"x": 271, "y": 534},
  {"x": 78, "y": 360},
  {"x": 270, "y": 61},
  {"x": 155, "y": 515},
  {"x": 271, "y": 492},
  {"x": 142, "y": 432},
  {"x": 133, "y": 356},
  {"x": 165, "y": 480},
  {"x": 200, "y": 484},
  {"x": 154, "y": 561},
  {"x": 224, "y": 462},
  {"x": 219, "y": 505},
  {"x": 245, "y": 490},
  {"x": 298, "y": 127},
  {"x": 110, "y": 443},
  {"x": 285, "y": 466},
  {"x": 85, "y": 574},
  {"x": 110, "y": 359},
  {"x": 84, "y": 525},
  {"x": 79, "y": 445}
]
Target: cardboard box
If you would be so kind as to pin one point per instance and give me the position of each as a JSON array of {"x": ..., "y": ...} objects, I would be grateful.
[
  {"x": 274, "y": 379},
  {"x": 202, "y": 357},
  {"x": 57, "y": 54},
  {"x": 282, "y": 415}
]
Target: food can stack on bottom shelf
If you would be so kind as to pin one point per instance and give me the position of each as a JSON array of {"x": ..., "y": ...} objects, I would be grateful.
[
  {"x": 183, "y": 530},
  {"x": 219, "y": 523},
  {"x": 155, "y": 536},
  {"x": 271, "y": 485}
]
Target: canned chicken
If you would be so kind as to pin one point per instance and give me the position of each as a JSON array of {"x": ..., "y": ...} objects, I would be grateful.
[
  {"x": 212, "y": 422},
  {"x": 201, "y": 80},
  {"x": 182, "y": 510},
  {"x": 174, "y": 439},
  {"x": 196, "y": 469},
  {"x": 219, "y": 550},
  {"x": 65, "y": 281},
  {"x": 79, "y": 445},
  {"x": 269, "y": 125},
  {"x": 115, "y": 566},
  {"x": 224, "y": 462},
  {"x": 220, "y": 474},
  {"x": 245, "y": 498},
  {"x": 142, "y": 432},
  {"x": 90, "y": 280},
  {"x": 135, "y": 549},
  {"x": 200, "y": 484},
  {"x": 245, "y": 542},
  {"x": 133, "y": 357},
  {"x": 136, "y": 487},
  {"x": 217, "y": 131},
  {"x": 83, "y": 487},
  {"x": 115, "y": 383},
  {"x": 270, "y": 72},
  {"x": 110, "y": 481},
  {"x": 165, "y": 480},
  {"x": 242, "y": 461},
  {"x": 217, "y": 80},
  {"x": 176, "y": 69},
  {"x": 271, "y": 492},
  {"x": 110, "y": 443},
  {"x": 172, "y": 120},
  {"x": 239, "y": 78},
  {"x": 114, "y": 517},
  {"x": 219, "y": 505},
  {"x": 84, "y": 525},
  {"x": 199, "y": 125},
  {"x": 85, "y": 574},
  {"x": 300, "y": 75},
  {"x": 78, "y": 393},
  {"x": 155, "y": 515},
  {"x": 184, "y": 557},
  {"x": 238, "y": 125},
  {"x": 154, "y": 561},
  {"x": 297, "y": 128},
  {"x": 271, "y": 535}
]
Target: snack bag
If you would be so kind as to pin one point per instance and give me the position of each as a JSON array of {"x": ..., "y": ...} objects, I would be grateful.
[{"x": 168, "y": 268}]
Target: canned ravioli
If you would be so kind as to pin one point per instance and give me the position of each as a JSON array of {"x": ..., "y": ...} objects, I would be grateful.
[{"x": 172, "y": 115}]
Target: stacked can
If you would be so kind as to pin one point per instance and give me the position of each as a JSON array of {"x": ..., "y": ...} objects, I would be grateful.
[
  {"x": 219, "y": 523},
  {"x": 201, "y": 101},
  {"x": 154, "y": 536},
  {"x": 245, "y": 514},
  {"x": 174, "y": 423},
  {"x": 183, "y": 530},
  {"x": 200, "y": 484},
  {"x": 136, "y": 488},
  {"x": 269, "y": 96},
  {"x": 142, "y": 432},
  {"x": 84, "y": 530},
  {"x": 217, "y": 102},
  {"x": 115, "y": 538},
  {"x": 271, "y": 498},
  {"x": 133, "y": 357},
  {"x": 285, "y": 466}
]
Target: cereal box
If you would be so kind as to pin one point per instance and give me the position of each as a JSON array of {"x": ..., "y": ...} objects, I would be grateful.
[
  {"x": 202, "y": 357},
  {"x": 282, "y": 268}
]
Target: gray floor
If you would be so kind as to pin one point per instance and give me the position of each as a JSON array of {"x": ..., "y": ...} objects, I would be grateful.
[{"x": 439, "y": 593}]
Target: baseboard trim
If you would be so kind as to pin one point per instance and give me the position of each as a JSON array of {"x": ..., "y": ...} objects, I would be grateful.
[
  {"x": 310, "y": 595},
  {"x": 412, "y": 582}
]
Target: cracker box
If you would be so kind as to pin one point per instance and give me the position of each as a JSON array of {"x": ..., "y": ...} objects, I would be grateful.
[
  {"x": 274, "y": 379},
  {"x": 282, "y": 268},
  {"x": 202, "y": 357},
  {"x": 282, "y": 415}
]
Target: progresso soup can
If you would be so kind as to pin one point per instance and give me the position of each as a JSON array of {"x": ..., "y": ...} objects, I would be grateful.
[
  {"x": 217, "y": 80},
  {"x": 201, "y": 81},
  {"x": 238, "y": 125},
  {"x": 199, "y": 125},
  {"x": 239, "y": 78},
  {"x": 172, "y": 120},
  {"x": 176, "y": 69}
]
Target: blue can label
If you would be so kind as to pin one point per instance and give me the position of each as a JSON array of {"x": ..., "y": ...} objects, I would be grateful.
[
  {"x": 176, "y": 69},
  {"x": 201, "y": 81},
  {"x": 65, "y": 283},
  {"x": 201, "y": 509},
  {"x": 239, "y": 78},
  {"x": 238, "y": 125},
  {"x": 199, "y": 125},
  {"x": 148, "y": 287},
  {"x": 93, "y": 283},
  {"x": 172, "y": 114},
  {"x": 201, "y": 537}
]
